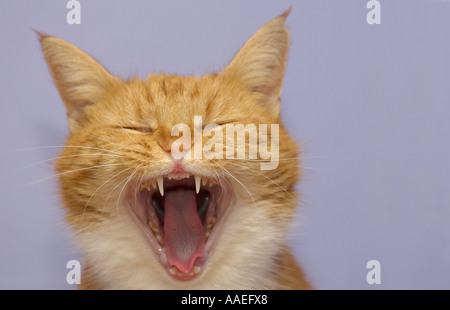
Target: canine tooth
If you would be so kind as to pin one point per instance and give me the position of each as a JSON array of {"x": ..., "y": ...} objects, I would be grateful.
[
  {"x": 197, "y": 183},
  {"x": 161, "y": 185},
  {"x": 196, "y": 269}
]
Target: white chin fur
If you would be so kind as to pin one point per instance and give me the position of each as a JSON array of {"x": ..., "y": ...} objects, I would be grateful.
[{"x": 242, "y": 258}]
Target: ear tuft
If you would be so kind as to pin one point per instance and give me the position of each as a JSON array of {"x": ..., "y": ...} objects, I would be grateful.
[
  {"x": 286, "y": 13},
  {"x": 41, "y": 36}
]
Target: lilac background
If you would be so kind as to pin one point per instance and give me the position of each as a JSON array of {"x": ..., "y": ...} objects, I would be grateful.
[{"x": 370, "y": 103}]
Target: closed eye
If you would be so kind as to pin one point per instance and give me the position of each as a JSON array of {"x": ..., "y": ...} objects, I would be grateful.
[{"x": 138, "y": 128}]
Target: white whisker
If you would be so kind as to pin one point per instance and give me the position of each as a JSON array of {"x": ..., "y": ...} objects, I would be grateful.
[
  {"x": 276, "y": 183},
  {"x": 61, "y": 147},
  {"x": 292, "y": 158},
  {"x": 123, "y": 187},
  {"x": 56, "y": 158},
  {"x": 245, "y": 187},
  {"x": 107, "y": 181},
  {"x": 67, "y": 172}
]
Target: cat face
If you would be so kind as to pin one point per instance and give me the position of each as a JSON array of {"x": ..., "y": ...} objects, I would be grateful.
[{"x": 145, "y": 218}]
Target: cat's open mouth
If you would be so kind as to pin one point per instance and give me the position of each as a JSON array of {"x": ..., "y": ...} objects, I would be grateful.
[{"x": 181, "y": 216}]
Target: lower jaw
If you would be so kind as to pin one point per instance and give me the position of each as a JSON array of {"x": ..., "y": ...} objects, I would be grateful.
[
  {"x": 160, "y": 251},
  {"x": 196, "y": 271}
]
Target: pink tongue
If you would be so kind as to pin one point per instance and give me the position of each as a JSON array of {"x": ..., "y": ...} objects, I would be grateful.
[{"x": 183, "y": 229}]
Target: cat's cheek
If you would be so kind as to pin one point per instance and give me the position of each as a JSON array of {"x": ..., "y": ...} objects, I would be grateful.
[
  {"x": 244, "y": 249},
  {"x": 119, "y": 253}
]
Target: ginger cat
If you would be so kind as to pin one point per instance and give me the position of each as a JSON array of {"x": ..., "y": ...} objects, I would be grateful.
[{"x": 144, "y": 219}]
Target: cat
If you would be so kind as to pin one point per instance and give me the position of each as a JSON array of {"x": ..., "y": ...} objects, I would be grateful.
[{"x": 143, "y": 219}]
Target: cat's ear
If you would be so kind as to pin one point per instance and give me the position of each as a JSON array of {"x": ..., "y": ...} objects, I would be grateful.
[
  {"x": 261, "y": 63},
  {"x": 79, "y": 78}
]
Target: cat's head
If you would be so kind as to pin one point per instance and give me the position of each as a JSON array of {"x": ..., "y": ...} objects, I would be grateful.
[{"x": 143, "y": 216}]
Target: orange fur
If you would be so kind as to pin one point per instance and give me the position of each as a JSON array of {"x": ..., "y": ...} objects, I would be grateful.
[{"x": 104, "y": 156}]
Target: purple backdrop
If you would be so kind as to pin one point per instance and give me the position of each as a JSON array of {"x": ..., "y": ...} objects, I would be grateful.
[{"x": 370, "y": 103}]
